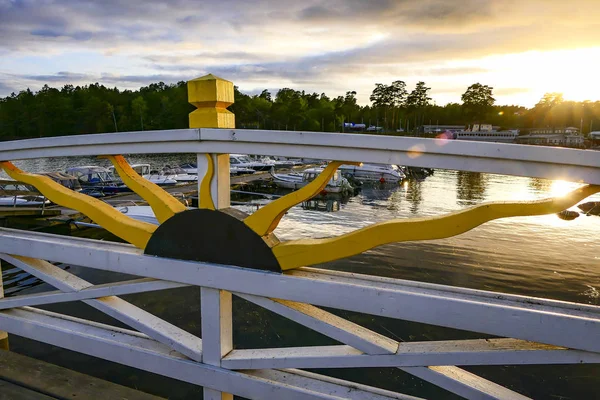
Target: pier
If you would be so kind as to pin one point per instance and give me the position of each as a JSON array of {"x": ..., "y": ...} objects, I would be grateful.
[{"x": 227, "y": 255}]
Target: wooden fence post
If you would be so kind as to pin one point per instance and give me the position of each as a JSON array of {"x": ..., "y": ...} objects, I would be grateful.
[
  {"x": 211, "y": 96},
  {"x": 3, "y": 334}
]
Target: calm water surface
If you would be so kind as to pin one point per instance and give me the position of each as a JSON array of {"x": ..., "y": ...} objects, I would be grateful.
[{"x": 537, "y": 256}]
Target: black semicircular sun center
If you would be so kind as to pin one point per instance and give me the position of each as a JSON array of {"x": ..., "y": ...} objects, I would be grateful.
[{"x": 216, "y": 236}]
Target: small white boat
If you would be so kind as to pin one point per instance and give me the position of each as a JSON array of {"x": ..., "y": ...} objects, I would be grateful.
[
  {"x": 243, "y": 161},
  {"x": 179, "y": 174},
  {"x": 23, "y": 201},
  {"x": 192, "y": 169},
  {"x": 97, "y": 178},
  {"x": 153, "y": 176},
  {"x": 277, "y": 164},
  {"x": 382, "y": 173},
  {"x": 140, "y": 213},
  {"x": 295, "y": 180}
]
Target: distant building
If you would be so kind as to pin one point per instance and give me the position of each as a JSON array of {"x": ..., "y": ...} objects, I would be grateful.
[
  {"x": 440, "y": 128},
  {"x": 568, "y": 137},
  {"x": 568, "y": 130}
]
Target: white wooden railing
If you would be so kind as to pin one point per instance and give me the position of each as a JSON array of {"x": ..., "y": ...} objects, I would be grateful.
[{"x": 531, "y": 330}]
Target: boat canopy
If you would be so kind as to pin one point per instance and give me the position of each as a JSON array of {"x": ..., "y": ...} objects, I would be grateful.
[{"x": 92, "y": 174}]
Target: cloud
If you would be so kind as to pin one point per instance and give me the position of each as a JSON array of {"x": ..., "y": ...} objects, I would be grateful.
[{"x": 325, "y": 46}]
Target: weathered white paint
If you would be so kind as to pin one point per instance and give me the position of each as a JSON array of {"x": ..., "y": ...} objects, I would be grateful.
[
  {"x": 135, "y": 350},
  {"x": 220, "y": 183},
  {"x": 365, "y": 342},
  {"x": 509, "y": 159},
  {"x": 328, "y": 324},
  {"x": 3, "y": 334},
  {"x": 465, "y": 383},
  {"x": 93, "y": 292},
  {"x": 217, "y": 331},
  {"x": 158, "y": 329},
  {"x": 411, "y": 354},
  {"x": 332, "y": 386},
  {"x": 574, "y": 326}
]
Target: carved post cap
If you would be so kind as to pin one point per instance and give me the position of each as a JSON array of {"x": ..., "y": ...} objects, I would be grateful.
[{"x": 211, "y": 96}]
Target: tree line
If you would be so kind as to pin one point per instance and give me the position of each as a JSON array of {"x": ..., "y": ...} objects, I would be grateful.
[{"x": 96, "y": 108}]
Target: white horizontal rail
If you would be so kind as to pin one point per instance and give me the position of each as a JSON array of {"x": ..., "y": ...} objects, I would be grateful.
[
  {"x": 328, "y": 324},
  {"x": 93, "y": 292},
  {"x": 114, "y": 306},
  {"x": 411, "y": 354},
  {"x": 510, "y": 159},
  {"x": 464, "y": 383},
  {"x": 135, "y": 350},
  {"x": 559, "y": 323},
  {"x": 362, "y": 340}
]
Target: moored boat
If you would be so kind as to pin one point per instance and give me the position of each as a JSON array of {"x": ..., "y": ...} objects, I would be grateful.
[
  {"x": 243, "y": 161},
  {"x": 178, "y": 174},
  {"x": 97, "y": 178},
  {"x": 192, "y": 169},
  {"x": 296, "y": 180},
  {"x": 382, "y": 173}
]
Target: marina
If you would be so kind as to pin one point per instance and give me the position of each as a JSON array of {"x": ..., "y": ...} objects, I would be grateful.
[{"x": 439, "y": 277}]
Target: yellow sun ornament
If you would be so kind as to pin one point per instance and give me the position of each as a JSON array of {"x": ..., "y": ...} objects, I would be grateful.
[{"x": 231, "y": 237}]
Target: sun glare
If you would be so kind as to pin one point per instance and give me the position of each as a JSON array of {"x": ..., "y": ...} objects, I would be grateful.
[
  {"x": 561, "y": 188},
  {"x": 531, "y": 74}
]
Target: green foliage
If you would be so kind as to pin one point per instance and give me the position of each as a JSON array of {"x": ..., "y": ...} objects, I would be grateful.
[
  {"x": 478, "y": 101},
  {"x": 95, "y": 108},
  {"x": 418, "y": 98}
]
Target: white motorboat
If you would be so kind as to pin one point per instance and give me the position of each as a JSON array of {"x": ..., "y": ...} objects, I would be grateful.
[
  {"x": 192, "y": 169},
  {"x": 17, "y": 194},
  {"x": 179, "y": 174},
  {"x": 153, "y": 176},
  {"x": 243, "y": 161},
  {"x": 382, "y": 173},
  {"x": 277, "y": 164},
  {"x": 140, "y": 213},
  {"x": 296, "y": 180},
  {"x": 23, "y": 201},
  {"x": 97, "y": 178}
]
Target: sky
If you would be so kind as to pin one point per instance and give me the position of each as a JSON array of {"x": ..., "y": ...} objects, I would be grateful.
[{"x": 522, "y": 48}]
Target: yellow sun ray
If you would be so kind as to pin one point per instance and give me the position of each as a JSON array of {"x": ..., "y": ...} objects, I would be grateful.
[
  {"x": 135, "y": 232},
  {"x": 163, "y": 204},
  {"x": 204, "y": 197},
  {"x": 297, "y": 253},
  {"x": 266, "y": 219}
]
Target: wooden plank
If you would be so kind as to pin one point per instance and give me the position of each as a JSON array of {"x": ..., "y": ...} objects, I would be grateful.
[
  {"x": 217, "y": 332},
  {"x": 108, "y": 289},
  {"x": 58, "y": 382},
  {"x": 411, "y": 354},
  {"x": 339, "y": 388},
  {"x": 10, "y": 391},
  {"x": 114, "y": 306},
  {"x": 328, "y": 324},
  {"x": 576, "y": 326},
  {"x": 135, "y": 350},
  {"x": 3, "y": 334},
  {"x": 509, "y": 159},
  {"x": 216, "y": 324},
  {"x": 449, "y": 378},
  {"x": 464, "y": 383},
  {"x": 27, "y": 212}
]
